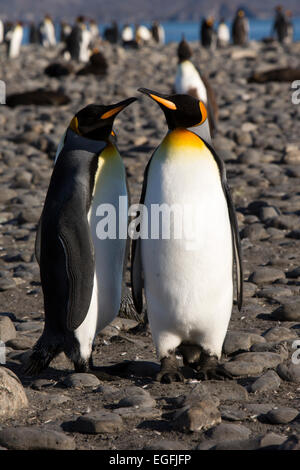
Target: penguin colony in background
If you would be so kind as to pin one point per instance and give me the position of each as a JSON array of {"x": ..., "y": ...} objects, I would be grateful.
[{"x": 189, "y": 293}]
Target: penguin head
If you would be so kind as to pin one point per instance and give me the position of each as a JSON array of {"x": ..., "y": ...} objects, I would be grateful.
[
  {"x": 180, "y": 110},
  {"x": 184, "y": 51},
  {"x": 96, "y": 121}
]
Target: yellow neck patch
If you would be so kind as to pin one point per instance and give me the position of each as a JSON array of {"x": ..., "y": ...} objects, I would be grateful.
[{"x": 74, "y": 125}]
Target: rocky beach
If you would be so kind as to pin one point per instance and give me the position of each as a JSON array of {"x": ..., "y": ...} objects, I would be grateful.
[{"x": 258, "y": 138}]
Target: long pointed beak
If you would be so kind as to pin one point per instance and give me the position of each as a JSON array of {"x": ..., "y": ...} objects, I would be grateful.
[
  {"x": 117, "y": 108},
  {"x": 159, "y": 98}
]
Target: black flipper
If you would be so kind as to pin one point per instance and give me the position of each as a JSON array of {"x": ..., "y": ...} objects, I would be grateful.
[
  {"x": 237, "y": 251},
  {"x": 137, "y": 283},
  {"x": 68, "y": 283}
]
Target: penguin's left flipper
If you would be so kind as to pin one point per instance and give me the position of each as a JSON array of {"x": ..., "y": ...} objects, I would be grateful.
[
  {"x": 136, "y": 260},
  {"x": 237, "y": 250}
]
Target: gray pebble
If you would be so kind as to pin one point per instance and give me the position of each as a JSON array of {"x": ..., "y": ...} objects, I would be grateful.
[
  {"x": 289, "y": 311},
  {"x": 35, "y": 438},
  {"x": 266, "y": 274},
  {"x": 282, "y": 415},
  {"x": 267, "y": 382},
  {"x": 79, "y": 380},
  {"x": 98, "y": 422}
]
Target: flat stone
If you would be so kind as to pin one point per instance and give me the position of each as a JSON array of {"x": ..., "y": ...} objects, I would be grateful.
[
  {"x": 240, "y": 341},
  {"x": 30, "y": 326},
  {"x": 282, "y": 415},
  {"x": 21, "y": 343},
  {"x": 268, "y": 381},
  {"x": 80, "y": 380},
  {"x": 166, "y": 445},
  {"x": 279, "y": 333},
  {"x": 266, "y": 274},
  {"x": 220, "y": 391},
  {"x": 252, "y": 363},
  {"x": 7, "y": 284},
  {"x": 138, "y": 412},
  {"x": 240, "y": 444},
  {"x": 7, "y": 329},
  {"x": 254, "y": 232},
  {"x": 98, "y": 422},
  {"x": 271, "y": 440},
  {"x": 289, "y": 311},
  {"x": 137, "y": 401},
  {"x": 198, "y": 417},
  {"x": 228, "y": 432},
  {"x": 230, "y": 414},
  {"x": 35, "y": 438},
  {"x": 258, "y": 409},
  {"x": 12, "y": 394},
  {"x": 289, "y": 371}
]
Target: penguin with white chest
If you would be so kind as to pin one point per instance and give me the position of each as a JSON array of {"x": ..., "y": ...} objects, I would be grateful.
[
  {"x": 188, "y": 281},
  {"x": 81, "y": 271},
  {"x": 189, "y": 80}
]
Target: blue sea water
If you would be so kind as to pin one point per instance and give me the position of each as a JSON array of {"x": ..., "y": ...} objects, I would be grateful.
[{"x": 174, "y": 30}]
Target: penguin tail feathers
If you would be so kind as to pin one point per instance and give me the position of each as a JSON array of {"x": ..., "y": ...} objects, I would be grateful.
[{"x": 42, "y": 354}]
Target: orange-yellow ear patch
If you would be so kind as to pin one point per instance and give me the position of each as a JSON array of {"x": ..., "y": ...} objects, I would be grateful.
[
  {"x": 74, "y": 125},
  {"x": 203, "y": 112},
  {"x": 164, "y": 102},
  {"x": 111, "y": 112}
]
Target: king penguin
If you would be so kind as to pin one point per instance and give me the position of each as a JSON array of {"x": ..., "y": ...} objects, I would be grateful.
[
  {"x": 189, "y": 80},
  {"x": 188, "y": 278},
  {"x": 81, "y": 271}
]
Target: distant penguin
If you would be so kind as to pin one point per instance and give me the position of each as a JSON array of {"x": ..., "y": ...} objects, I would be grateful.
[
  {"x": 73, "y": 42},
  {"x": 97, "y": 65},
  {"x": 94, "y": 30},
  {"x": 14, "y": 39},
  {"x": 65, "y": 31},
  {"x": 81, "y": 269},
  {"x": 240, "y": 29},
  {"x": 127, "y": 36},
  {"x": 85, "y": 43},
  {"x": 208, "y": 35},
  {"x": 223, "y": 34},
  {"x": 1, "y": 31},
  {"x": 111, "y": 33},
  {"x": 34, "y": 34},
  {"x": 48, "y": 32},
  {"x": 187, "y": 274},
  {"x": 142, "y": 35},
  {"x": 190, "y": 81},
  {"x": 158, "y": 32},
  {"x": 280, "y": 24},
  {"x": 289, "y": 27}
]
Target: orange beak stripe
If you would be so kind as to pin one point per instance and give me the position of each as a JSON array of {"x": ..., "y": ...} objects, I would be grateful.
[
  {"x": 111, "y": 112},
  {"x": 166, "y": 103}
]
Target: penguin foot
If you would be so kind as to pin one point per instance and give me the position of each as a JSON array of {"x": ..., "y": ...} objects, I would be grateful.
[
  {"x": 81, "y": 365},
  {"x": 210, "y": 369},
  {"x": 169, "y": 371}
]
